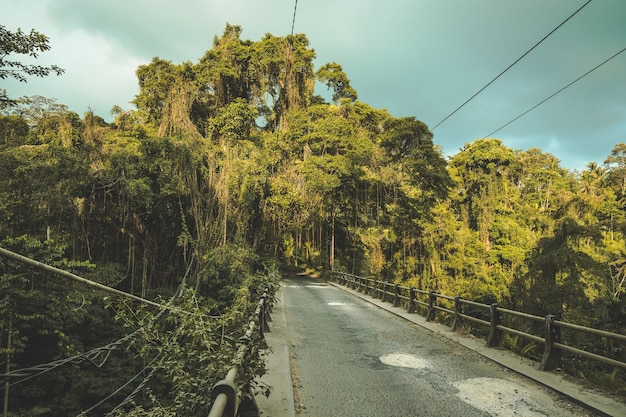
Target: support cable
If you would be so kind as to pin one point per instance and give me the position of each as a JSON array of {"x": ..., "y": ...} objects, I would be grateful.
[
  {"x": 66, "y": 274},
  {"x": 97, "y": 356},
  {"x": 84, "y": 281},
  {"x": 138, "y": 389},
  {"x": 510, "y": 66},
  {"x": 111, "y": 395},
  {"x": 175, "y": 334},
  {"x": 554, "y": 94}
]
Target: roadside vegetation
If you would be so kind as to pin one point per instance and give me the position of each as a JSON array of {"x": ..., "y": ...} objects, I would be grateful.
[{"x": 232, "y": 162}]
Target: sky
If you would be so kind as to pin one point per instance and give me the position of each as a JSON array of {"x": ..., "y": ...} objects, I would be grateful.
[{"x": 421, "y": 58}]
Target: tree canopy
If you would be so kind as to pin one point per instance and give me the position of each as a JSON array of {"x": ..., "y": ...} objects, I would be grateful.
[{"x": 30, "y": 44}]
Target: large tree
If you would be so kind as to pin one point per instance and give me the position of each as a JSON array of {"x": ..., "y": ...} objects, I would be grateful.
[{"x": 20, "y": 43}]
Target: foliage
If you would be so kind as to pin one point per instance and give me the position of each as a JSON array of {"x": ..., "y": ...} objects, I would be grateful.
[
  {"x": 18, "y": 42},
  {"x": 233, "y": 160},
  {"x": 188, "y": 351}
]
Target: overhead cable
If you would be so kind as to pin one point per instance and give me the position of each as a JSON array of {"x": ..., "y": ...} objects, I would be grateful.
[
  {"x": 293, "y": 21},
  {"x": 510, "y": 66},
  {"x": 555, "y": 93}
]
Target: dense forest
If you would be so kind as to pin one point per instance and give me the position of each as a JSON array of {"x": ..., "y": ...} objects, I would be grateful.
[{"x": 227, "y": 163}]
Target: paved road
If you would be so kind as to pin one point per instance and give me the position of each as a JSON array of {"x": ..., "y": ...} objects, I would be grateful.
[{"x": 350, "y": 358}]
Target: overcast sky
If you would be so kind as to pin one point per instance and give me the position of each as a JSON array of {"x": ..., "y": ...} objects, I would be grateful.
[{"x": 420, "y": 58}]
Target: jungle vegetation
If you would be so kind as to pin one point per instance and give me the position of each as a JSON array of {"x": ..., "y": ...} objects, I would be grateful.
[{"x": 233, "y": 161}]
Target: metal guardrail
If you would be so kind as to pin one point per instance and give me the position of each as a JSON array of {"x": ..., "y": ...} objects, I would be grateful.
[
  {"x": 551, "y": 358},
  {"x": 226, "y": 395}
]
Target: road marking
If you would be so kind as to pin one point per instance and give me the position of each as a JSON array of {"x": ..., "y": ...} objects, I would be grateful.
[
  {"x": 404, "y": 360},
  {"x": 337, "y": 303}
]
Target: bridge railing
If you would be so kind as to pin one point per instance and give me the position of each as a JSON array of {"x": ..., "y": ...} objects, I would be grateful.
[
  {"x": 227, "y": 395},
  {"x": 433, "y": 304}
]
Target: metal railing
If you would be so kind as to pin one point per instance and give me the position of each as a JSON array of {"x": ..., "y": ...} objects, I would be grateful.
[
  {"x": 455, "y": 308},
  {"x": 226, "y": 395}
]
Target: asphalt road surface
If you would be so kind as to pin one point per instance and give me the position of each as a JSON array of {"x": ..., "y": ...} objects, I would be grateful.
[{"x": 350, "y": 358}]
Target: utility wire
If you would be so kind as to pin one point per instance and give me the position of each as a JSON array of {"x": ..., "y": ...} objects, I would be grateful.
[
  {"x": 510, "y": 66},
  {"x": 554, "y": 94},
  {"x": 293, "y": 21}
]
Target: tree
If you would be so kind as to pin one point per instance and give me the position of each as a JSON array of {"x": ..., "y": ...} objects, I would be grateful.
[
  {"x": 333, "y": 76},
  {"x": 155, "y": 81},
  {"x": 616, "y": 166},
  {"x": 24, "y": 44}
]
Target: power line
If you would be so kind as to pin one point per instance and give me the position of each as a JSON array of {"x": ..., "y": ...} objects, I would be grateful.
[
  {"x": 554, "y": 94},
  {"x": 510, "y": 66},
  {"x": 293, "y": 21}
]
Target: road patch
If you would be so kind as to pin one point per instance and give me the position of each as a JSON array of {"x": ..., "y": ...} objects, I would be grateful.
[{"x": 404, "y": 360}]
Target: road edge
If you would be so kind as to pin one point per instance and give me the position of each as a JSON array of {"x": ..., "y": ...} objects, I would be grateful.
[{"x": 280, "y": 402}]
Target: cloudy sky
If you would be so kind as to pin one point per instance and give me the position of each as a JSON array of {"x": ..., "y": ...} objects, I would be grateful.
[{"x": 420, "y": 58}]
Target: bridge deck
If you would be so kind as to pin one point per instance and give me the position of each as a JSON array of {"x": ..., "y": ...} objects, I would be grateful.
[{"x": 349, "y": 358}]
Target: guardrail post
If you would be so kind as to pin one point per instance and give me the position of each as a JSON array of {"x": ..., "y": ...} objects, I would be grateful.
[
  {"x": 432, "y": 300},
  {"x": 411, "y": 308},
  {"x": 396, "y": 297},
  {"x": 262, "y": 324},
  {"x": 384, "y": 294},
  {"x": 361, "y": 286},
  {"x": 495, "y": 334},
  {"x": 266, "y": 313},
  {"x": 458, "y": 310},
  {"x": 270, "y": 304},
  {"x": 551, "y": 356}
]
